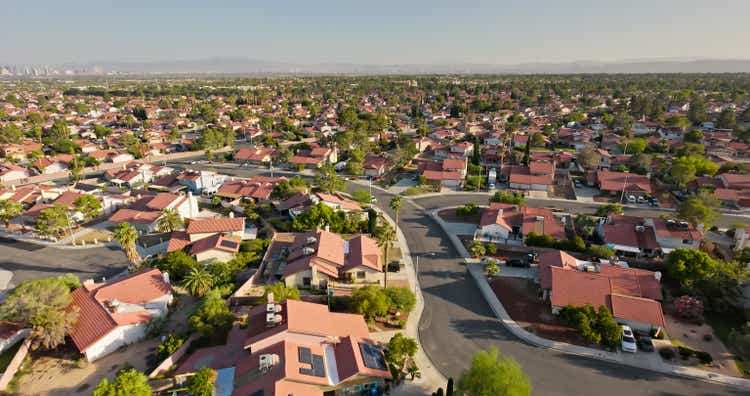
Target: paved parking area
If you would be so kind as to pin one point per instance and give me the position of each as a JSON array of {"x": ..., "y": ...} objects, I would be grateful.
[{"x": 31, "y": 261}]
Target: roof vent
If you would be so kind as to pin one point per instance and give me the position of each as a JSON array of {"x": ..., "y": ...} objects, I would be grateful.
[
  {"x": 640, "y": 228},
  {"x": 657, "y": 276}
]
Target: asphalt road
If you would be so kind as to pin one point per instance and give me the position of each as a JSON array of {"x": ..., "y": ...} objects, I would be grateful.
[
  {"x": 31, "y": 261},
  {"x": 457, "y": 322}
]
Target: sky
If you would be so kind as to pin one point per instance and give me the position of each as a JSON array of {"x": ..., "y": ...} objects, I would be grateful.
[{"x": 501, "y": 32}]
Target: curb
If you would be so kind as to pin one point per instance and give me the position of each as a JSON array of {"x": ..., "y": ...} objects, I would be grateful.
[{"x": 502, "y": 315}]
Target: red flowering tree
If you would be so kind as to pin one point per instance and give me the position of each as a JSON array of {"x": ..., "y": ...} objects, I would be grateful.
[{"x": 689, "y": 308}]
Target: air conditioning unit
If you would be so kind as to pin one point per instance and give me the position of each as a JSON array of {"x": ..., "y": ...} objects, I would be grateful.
[
  {"x": 308, "y": 251},
  {"x": 267, "y": 361},
  {"x": 271, "y": 319},
  {"x": 311, "y": 240},
  {"x": 540, "y": 218},
  {"x": 640, "y": 228},
  {"x": 271, "y": 308}
]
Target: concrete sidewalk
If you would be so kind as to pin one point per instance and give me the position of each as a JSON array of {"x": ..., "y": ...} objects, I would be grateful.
[{"x": 657, "y": 365}]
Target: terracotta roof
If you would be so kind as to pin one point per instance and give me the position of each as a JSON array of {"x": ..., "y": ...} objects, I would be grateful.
[
  {"x": 134, "y": 216},
  {"x": 615, "y": 181},
  {"x": 553, "y": 258},
  {"x": 95, "y": 321},
  {"x": 637, "y": 309},
  {"x": 342, "y": 202},
  {"x": 579, "y": 288},
  {"x": 226, "y": 224},
  {"x": 216, "y": 242}
]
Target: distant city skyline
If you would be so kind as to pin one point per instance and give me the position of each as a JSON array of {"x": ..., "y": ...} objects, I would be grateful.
[{"x": 387, "y": 32}]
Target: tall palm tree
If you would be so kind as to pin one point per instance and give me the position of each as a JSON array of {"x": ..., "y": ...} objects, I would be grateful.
[
  {"x": 169, "y": 221},
  {"x": 126, "y": 235},
  {"x": 385, "y": 236},
  {"x": 8, "y": 210},
  {"x": 395, "y": 205},
  {"x": 198, "y": 281}
]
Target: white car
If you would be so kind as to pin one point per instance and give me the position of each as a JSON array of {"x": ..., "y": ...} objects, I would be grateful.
[{"x": 627, "y": 343}]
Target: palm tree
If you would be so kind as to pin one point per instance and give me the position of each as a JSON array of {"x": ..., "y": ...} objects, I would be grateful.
[
  {"x": 413, "y": 371},
  {"x": 198, "y": 281},
  {"x": 385, "y": 236},
  {"x": 395, "y": 205},
  {"x": 169, "y": 221},
  {"x": 126, "y": 235},
  {"x": 8, "y": 210}
]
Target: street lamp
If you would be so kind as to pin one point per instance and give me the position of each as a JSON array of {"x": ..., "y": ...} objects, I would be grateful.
[{"x": 416, "y": 267}]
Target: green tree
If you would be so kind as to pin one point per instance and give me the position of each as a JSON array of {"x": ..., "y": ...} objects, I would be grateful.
[
  {"x": 9, "y": 210},
  {"x": 493, "y": 375},
  {"x": 178, "y": 264},
  {"x": 697, "y": 211},
  {"x": 727, "y": 119},
  {"x": 88, "y": 205},
  {"x": 401, "y": 298},
  {"x": 327, "y": 180},
  {"x": 362, "y": 196},
  {"x": 10, "y": 133},
  {"x": 42, "y": 305},
  {"x": 468, "y": 210},
  {"x": 399, "y": 351},
  {"x": 212, "y": 315},
  {"x": 126, "y": 236},
  {"x": 128, "y": 382},
  {"x": 281, "y": 292},
  {"x": 698, "y": 110},
  {"x": 607, "y": 327},
  {"x": 169, "y": 221},
  {"x": 508, "y": 197},
  {"x": 169, "y": 346},
  {"x": 694, "y": 136},
  {"x": 53, "y": 220},
  {"x": 202, "y": 383},
  {"x": 682, "y": 171},
  {"x": 198, "y": 281},
  {"x": 370, "y": 301},
  {"x": 608, "y": 209},
  {"x": 59, "y": 131}
]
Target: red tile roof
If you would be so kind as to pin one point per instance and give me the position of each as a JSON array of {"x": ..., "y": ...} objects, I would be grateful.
[
  {"x": 227, "y": 224},
  {"x": 615, "y": 181},
  {"x": 95, "y": 321},
  {"x": 216, "y": 242}
]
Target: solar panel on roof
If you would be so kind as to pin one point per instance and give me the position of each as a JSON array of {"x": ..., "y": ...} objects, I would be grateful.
[
  {"x": 229, "y": 244},
  {"x": 372, "y": 356},
  {"x": 317, "y": 366},
  {"x": 305, "y": 356}
]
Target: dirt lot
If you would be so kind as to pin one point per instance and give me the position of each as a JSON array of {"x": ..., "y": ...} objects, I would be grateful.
[
  {"x": 692, "y": 335},
  {"x": 519, "y": 297}
]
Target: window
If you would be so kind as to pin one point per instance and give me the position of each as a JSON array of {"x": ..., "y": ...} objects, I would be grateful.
[
  {"x": 687, "y": 241},
  {"x": 306, "y": 281},
  {"x": 360, "y": 274}
]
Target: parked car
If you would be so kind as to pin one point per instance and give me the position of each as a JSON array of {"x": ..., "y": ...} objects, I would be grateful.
[
  {"x": 578, "y": 183},
  {"x": 533, "y": 256},
  {"x": 631, "y": 198},
  {"x": 641, "y": 200},
  {"x": 627, "y": 342},
  {"x": 516, "y": 262},
  {"x": 654, "y": 202},
  {"x": 645, "y": 343}
]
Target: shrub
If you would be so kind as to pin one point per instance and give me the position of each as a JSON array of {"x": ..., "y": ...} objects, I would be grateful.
[
  {"x": 476, "y": 249},
  {"x": 507, "y": 197},
  {"x": 491, "y": 248},
  {"x": 467, "y": 210},
  {"x": 685, "y": 352},
  {"x": 704, "y": 357},
  {"x": 601, "y": 251},
  {"x": 667, "y": 353},
  {"x": 534, "y": 239},
  {"x": 169, "y": 346},
  {"x": 401, "y": 298}
]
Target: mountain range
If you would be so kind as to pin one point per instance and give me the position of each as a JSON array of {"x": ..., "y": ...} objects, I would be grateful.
[{"x": 247, "y": 66}]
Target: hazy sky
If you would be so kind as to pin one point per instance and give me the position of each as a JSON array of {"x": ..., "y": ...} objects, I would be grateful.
[{"x": 375, "y": 32}]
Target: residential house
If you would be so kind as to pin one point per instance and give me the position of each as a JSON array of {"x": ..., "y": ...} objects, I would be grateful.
[
  {"x": 209, "y": 240},
  {"x": 616, "y": 182},
  {"x": 299, "y": 348},
  {"x": 538, "y": 176},
  {"x": 629, "y": 236},
  {"x": 202, "y": 182},
  {"x": 254, "y": 155},
  {"x": 672, "y": 234},
  {"x": 632, "y": 295},
  {"x": 11, "y": 173},
  {"x": 320, "y": 259},
  {"x": 114, "y": 314},
  {"x": 146, "y": 210},
  {"x": 510, "y": 224},
  {"x": 375, "y": 165}
]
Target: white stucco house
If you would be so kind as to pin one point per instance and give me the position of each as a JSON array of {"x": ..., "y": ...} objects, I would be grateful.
[{"x": 114, "y": 314}]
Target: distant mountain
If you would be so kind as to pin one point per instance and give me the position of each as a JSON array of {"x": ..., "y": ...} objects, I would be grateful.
[{"x": 246, "y": 66}]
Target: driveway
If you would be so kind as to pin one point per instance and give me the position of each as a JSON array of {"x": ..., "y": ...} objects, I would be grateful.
[
  {"x": 31, "y": 261},
  {"x": 457, "y": 323}
]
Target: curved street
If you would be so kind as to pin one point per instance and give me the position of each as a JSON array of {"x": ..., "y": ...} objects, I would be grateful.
[{"x": 457, "y": 322}]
